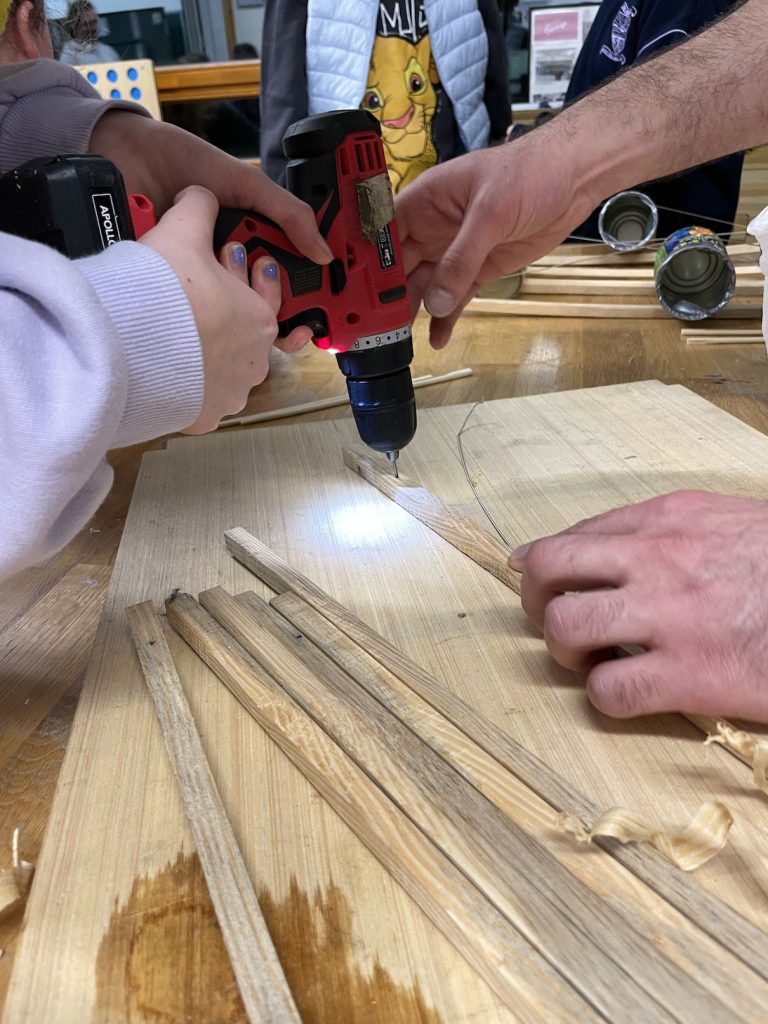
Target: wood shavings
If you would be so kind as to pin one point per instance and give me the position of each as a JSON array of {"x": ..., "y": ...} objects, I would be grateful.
[
  {"x": 704, "y": 837},
  {"x": 754, "y": 752},
  {"x": 16, "y": 880}
]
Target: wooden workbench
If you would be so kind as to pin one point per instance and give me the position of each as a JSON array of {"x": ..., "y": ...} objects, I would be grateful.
[{"x": 510, "y": 357}]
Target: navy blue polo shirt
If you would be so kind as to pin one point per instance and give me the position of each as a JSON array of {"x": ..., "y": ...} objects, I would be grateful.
[{"x": 624, "y": 32}]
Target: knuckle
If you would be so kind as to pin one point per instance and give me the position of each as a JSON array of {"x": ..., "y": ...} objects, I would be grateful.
[
  {"x": 457, "y": 264},
  {"x": 622, "y": 688},
  {"x": 559, "y": 625}
]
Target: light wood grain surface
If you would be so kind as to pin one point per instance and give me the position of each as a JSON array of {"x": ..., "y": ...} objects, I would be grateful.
[{"x": 524, "y": 356}]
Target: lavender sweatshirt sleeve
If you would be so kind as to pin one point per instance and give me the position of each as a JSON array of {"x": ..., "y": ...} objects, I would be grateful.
[
  {"x": 94, "y": 353},
  {"x": 83, "y": 368}
]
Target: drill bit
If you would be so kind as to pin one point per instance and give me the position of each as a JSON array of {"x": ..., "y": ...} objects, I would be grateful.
[{"x": 393, "y": 457}]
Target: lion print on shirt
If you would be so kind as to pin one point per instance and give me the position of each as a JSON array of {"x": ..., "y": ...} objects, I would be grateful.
[{"x": 400, "y": 92}]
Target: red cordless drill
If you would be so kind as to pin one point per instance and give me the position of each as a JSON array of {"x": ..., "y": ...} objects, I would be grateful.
[{"x": 357, "y": 306}]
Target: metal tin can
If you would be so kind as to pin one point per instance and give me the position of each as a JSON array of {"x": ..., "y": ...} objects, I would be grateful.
[
  {"x": 628, "y": 221},
  {"x": 504, "y": 288},
  {"x": 694, "y": 274}
]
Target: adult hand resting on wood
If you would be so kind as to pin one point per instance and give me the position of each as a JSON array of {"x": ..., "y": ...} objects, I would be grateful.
[{"x": 684, "y": 576}]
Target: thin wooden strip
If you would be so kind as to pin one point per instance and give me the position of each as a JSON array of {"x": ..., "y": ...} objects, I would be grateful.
[
  {"x": 717, "y": 339},
  {"x": 458, "y": 529},
  {"x": 46, "y": 651},
  {"x": 698, "y": 953},
  {"x": 729, "y": 928},
  {"x": 618, "y": 273},
  {"x": 614, "y": 311},
  {"x": 516, "y": 972},
  {"x": 706, "y": 332},
  {"x": 330, "y": 403},
  {"x": 586, "y": 286},
  {"x": 582, "y": 936},
  {"x": 260, "y": 977},
  {"x": 588, "y": 271},
  {"x": 599, "y": 256}
]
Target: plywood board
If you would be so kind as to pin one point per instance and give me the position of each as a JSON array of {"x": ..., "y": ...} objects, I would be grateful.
[{"x": 117, "y": 833}]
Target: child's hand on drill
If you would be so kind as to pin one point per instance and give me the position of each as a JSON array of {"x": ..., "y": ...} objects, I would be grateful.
[{"x": 236, "y": 323}]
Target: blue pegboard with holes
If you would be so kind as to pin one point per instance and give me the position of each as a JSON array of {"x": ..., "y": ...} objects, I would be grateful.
[{"x": 132, "y": 80}]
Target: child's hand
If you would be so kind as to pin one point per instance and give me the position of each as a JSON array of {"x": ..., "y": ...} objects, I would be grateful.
[
  {"x": 236, "y": 323},
  {"x": 160, "y": 160}
]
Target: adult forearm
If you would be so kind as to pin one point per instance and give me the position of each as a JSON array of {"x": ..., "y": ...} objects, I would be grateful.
[{"x": 693, "y": 103}]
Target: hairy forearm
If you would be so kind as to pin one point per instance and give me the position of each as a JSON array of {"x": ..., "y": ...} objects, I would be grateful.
[{"x": 693, "y": 103}]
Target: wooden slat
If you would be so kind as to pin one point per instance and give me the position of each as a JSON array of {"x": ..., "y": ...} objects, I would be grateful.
[
  {"x": 621, "y": 287},
  {"x": 613, "y": 311},
  {"x": 617, "y": 273},
  {"x": 260, "y": 977},
  {"x": 481, "y": 934}
]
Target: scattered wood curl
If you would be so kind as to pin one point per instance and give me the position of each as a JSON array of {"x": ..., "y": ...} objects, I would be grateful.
[
  {"x": 745, "y": 746},
  {"x": 15, "y": 880},
  {"x": 704, "y": 837}
]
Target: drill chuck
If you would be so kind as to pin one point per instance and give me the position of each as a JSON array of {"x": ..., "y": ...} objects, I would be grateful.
[{"x": 381, "y": 394}]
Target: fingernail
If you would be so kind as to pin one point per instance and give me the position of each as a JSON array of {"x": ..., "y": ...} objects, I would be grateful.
[
  {"x": 518, "y": 555},
  {"x": 271, "y": 272},
  {"x": 328, "y": 250},
  {"x": 238, "y": 257},
  {"x": 439, "y": 302}
]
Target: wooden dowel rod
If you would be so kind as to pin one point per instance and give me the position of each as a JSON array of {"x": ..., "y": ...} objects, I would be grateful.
[
  {"x": 579, "y": 933},
  {"x": 725, "y": 925},
  {"x": 586, "y": 286},
  {"x": 618, "y": 273},
  {"x": 726, "y": 339},
  {"x": 705, "y": 332},
  {"x": 330, "y": 403},
  {"x": 714, "y": 967},
  {"x": 517, "y": 973},
  {"x": 260, "y": 977},
  {"x": 616, "y": 311}
]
